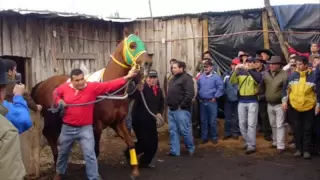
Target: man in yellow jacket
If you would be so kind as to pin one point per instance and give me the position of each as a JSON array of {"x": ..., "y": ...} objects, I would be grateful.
[
  {"x": 301, "y": 92},
  {"x": 11, "y": 165}
]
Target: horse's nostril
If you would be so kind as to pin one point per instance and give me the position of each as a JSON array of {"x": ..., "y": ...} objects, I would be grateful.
[{"x": 146, "y": 64}]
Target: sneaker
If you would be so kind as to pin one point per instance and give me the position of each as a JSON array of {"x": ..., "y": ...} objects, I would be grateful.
[
  {"x": 268, "y": 138},
  {"x": 306, "y": 155},
  {"x": 245, "y": 147},
  {"x": 250, "y": 150},
  {"x": 280, "y": 151},
  {"x": 297, "y": 154}
]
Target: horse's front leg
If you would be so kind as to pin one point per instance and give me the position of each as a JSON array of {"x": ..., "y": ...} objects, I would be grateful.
[{"x": 123, "y": 130}]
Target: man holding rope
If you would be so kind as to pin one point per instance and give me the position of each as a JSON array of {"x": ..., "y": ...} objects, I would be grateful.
[{"x": 78, "y": 120}]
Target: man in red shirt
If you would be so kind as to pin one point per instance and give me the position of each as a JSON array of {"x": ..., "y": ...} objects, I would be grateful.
[
  {"x": 78, "y": 120},
  {"x": 314, "y": 50}
]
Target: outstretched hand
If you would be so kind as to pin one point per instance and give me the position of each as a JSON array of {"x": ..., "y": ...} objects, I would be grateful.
[{"x": 131, "y": 74}]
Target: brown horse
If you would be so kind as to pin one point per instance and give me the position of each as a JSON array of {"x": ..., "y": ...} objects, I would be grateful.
[{"x": 107, "y": 112}]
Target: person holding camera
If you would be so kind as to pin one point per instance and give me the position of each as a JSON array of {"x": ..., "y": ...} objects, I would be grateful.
[{"x": 248, "y": 80}]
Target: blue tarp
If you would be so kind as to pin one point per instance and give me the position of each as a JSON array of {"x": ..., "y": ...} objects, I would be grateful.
[{"x": 298, "y": 17}]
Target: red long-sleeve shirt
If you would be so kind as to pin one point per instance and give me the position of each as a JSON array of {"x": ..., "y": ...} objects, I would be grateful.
[
  {"x": 83, "y": 115},
  {"x": 293, "y": 51}
]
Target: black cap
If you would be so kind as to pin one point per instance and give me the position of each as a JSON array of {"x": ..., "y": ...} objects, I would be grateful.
[
  {"x": 152, "y": 73},
  {"x": 3, "y": 74}
]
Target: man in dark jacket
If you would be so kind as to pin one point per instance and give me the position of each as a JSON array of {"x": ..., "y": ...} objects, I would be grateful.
[
  {"x": 274, "y": 80},
  {"x": 179, "y": 99},
  {"x": 263, "y": 119},
  {"x": 143, "y": 123}
]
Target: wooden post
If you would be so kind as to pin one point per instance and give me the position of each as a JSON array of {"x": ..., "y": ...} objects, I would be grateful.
[
  {"x": 30, "y": 142},
  {"x": 276, "y": 28},
  {"x": 266, "y": 43},
  {"x": 205, "y": 35}
]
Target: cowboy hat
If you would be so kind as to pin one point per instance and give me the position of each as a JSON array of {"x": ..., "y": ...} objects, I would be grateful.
[
  {"x": 267, "y": 51},
  {"x": 3, "y": 74},
  {"x": 275, "y": 60}
]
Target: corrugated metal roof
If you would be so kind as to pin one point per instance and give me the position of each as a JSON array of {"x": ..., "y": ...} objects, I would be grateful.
[
  {"x": 209, "y": 13},
  {"x": 54, "y": 14}
]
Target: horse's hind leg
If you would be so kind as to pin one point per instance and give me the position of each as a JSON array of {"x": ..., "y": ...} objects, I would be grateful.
[
  {"x": 123, "y": 131},
  {"x": 51, "y": 131}
]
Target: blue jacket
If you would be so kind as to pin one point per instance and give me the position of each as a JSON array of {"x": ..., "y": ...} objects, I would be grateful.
[
  {"x": 18, "y": 113},
  {"x": 230, "y": 90},
  {"x": 210, "y": 87}
]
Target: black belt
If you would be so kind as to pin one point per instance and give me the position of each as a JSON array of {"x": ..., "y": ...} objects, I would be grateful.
[
  {"x": 205, "y": 100},
  {"x": 274, "y": 103},
  {"x": 71, "y": 125}
]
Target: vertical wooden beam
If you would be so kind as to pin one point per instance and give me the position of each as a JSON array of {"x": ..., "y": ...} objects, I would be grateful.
[
  {"x": 266, "y": 43},
  {"x": 205, "y": 35},
  {"x": 276, "y": 28}
]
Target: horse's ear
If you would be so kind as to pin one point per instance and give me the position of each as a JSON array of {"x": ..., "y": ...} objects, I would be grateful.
[
  {"x": 126, "y": 32},
  {"x": 136, "y": 32}
]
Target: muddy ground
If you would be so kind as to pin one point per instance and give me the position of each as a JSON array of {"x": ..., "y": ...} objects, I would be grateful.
[{"x": 223, "y": 161}]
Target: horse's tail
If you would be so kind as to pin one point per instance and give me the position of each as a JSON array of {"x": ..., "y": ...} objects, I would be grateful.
[{"x": 33, "y": 91}]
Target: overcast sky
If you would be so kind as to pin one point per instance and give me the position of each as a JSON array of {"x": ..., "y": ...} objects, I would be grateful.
[{"x": 140, "y": 8}]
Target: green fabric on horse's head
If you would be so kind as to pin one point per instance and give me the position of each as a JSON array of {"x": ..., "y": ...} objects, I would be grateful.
[{"x": 131, "y": 55}]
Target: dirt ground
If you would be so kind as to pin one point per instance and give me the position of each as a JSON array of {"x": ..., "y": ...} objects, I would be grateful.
[{"x": 223, "y": 161}]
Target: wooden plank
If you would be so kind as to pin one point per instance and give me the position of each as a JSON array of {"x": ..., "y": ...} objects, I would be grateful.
[
  {"x": 156, "y": 55},
  {"x": 42, "y": 72},
  {"x": 198, "y": 30},
  {"x": 174, "y": 38},
  {"x": 276, "y": 28},
  {"x": 142, "y": 30},
  {"x": 107, "y": 48},
  {"x": 96, "y": 48},
  {"x": 266, "y": 43},
  {"x": 190, "y": 46},
  {"x": 15, "y": 42},
  {"x": 76, "y": 56},
  {"x": 114, "y": 38},
  {"x": 48, "y": 47},
  {"x": 6, "y": 40},
  {"x": 22, "y": 35},
  {"x": 150, "y": 36},
  {"x": 205, "y": 35},
  {"x": 163, "y": 54},
  {"x": 169, "y": 44},
  {"x": 65, "y": 47},
  {"x": 181, "y": 40}
]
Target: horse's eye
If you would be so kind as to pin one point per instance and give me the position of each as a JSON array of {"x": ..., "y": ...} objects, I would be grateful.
[{"x": 133, "y": 46}]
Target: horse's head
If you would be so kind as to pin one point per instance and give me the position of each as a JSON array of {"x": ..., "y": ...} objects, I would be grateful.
[{"x": 134, "y": 53}]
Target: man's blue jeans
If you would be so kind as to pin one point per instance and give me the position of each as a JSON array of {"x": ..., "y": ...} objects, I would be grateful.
[
  {"x": 180, "y": 124},
  {"x": 208, "y": 116},
  {"x": 84, "y": 135},
  {"x": 231, "y": 125}
]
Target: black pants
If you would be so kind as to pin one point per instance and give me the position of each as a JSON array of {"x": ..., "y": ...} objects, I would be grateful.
[
  {"x": 316, "y": 134},
  {"x": 147, "y": 136},
  {"x": 303, "y": 125},
  {"x": 263, "y": 119}
]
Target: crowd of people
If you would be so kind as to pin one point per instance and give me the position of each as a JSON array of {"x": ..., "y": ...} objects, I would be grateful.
[{"x": 259, "y": 93}]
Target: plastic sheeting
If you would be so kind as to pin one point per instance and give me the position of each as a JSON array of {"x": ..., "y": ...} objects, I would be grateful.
[
  {"x": 230, "y": 33},
  {"x": 227, "y": 35}
]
